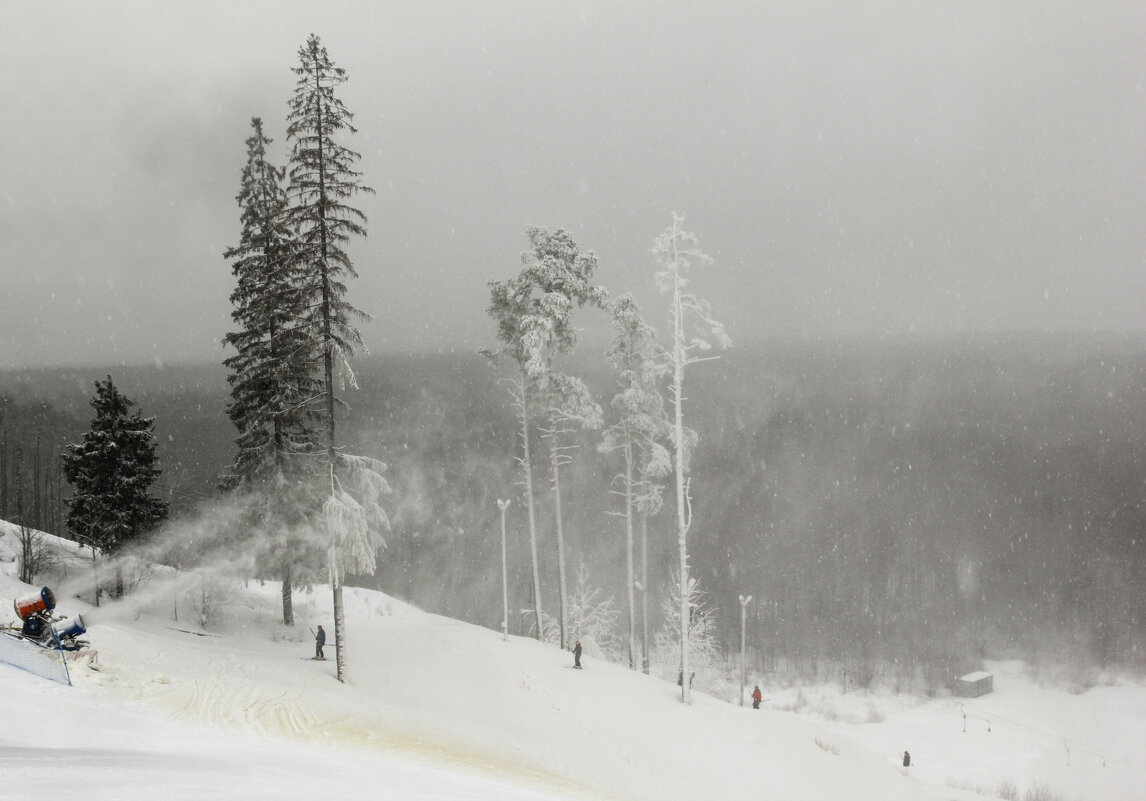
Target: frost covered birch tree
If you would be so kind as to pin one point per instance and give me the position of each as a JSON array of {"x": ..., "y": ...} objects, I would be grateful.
[
  {"x": 656, "y": 465},
  {"x": 700, "y": 638},
  {"x": 508, "y": 304},
  {"x": 569, "y": 406},
  {"x": 694, "y": 332},
  {"x": 270, "y": 373},
  {"x": 637, "y": 434},
  {"x": 323, "y": 180},
  {"x": 592, "y": 616}
]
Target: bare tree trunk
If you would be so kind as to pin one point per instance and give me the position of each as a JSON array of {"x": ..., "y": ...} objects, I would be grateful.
[
  {"x": 25, "y": 536},
  {"x": 37, "y": 507},
  {"x": 4, "y": 474},
  {"x": 61, "y": 519},
  {"x": 95, "y": 574},
  {"x": 339, "y": 633},
  {"x": 281, "y": 466},
  {"x": 678, "y": 429},
  {"x": 288, "y": 602},
  {"x": 51, "y": 501},
  {"x": 644, "y": 593},
  {"x": 555, "y": 482},
  {"x": 328, "y": 372},
  {"x": 527, "y": 464},
  {"x": 629, "y": 576}
]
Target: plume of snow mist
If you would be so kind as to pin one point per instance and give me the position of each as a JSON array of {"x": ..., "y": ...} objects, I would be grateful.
[{"x": 188, "y": 563}]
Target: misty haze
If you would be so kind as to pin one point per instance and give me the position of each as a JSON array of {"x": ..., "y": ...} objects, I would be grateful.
[{"x": 790, "y": 346}]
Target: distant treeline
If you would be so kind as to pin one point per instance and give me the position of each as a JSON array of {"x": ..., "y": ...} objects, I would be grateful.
[{"x": 904, "y": 502}]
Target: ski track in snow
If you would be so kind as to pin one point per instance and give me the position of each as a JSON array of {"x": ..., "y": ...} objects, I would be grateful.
[{"x": 210, "y": 682}]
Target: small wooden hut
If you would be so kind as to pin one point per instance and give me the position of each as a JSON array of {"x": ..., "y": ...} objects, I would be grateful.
[{"x": 974, "y": 684}]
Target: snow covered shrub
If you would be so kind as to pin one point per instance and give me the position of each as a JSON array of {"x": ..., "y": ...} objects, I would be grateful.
[
  {"x": 826, "y": 746},
  {"x": 135, "y": 572},
  {"x": 1040, "y": 792},
  {"x": 800, "y": 702},
  {"x": 874, "y": 714},
  {"x": 976, "y": 788},
  {"x": 36, "y": 555},
  {"x": 1007, "y": 790},
  {"x": 593, "y": 619},
  {"x": 550, "y": 628},
  {"x": 208, "y": 600},
  {"x": 703, "y": 642}
]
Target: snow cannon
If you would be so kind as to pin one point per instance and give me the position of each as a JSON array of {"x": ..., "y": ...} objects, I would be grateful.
[
  {"x": 74, "y": 629},
  {"x": 35, "y": 603},
  {"x": 34, "y": 628}
]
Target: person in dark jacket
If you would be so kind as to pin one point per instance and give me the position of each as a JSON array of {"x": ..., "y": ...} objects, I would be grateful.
[
  {"x": 319, "y": 641},
  {"x": 577, "y": 654},
  {"x": 756, "y": 697},
  {"x": 906, "y": 760}
]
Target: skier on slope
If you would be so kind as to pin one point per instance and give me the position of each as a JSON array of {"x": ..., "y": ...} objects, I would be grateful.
[
  {"x": 577, "y": 655},
  {"x": 319, "y": 641},
  {"x": 756, "y": 697}
]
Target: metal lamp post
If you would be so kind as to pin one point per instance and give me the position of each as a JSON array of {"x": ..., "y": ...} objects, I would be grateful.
[
  {"x": 503, "y": 505},
  {"x": 744, "y": 601}
]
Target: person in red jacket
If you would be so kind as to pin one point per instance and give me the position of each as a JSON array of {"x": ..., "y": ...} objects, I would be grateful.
[{"x": 756, "y": 697}]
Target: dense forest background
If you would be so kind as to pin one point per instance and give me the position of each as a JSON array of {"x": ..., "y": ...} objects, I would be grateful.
[{"x": 903, "y": 506}]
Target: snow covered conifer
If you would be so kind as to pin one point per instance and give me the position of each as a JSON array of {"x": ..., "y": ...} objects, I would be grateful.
[
  {"x": 640, "y": 428},
  {"x": 556, "y": 280},
  {"x": 694, "y": 333},
  {"x": 534, "y": 316},
  {"x": 111, "y": 471},
  {"x": 270, "y": 373},
  {"x": 323, "y": 179}
]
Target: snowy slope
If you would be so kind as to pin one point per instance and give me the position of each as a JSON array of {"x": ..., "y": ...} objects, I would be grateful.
[{"x": 434, "y": 708}]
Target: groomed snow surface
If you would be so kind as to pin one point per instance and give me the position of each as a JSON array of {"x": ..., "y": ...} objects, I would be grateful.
[{"x": 438, "y": 709}]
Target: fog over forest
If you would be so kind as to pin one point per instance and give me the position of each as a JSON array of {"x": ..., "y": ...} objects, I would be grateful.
[
  {"x": 925, "y": 449},
  {"x": 900, "y": 509}
]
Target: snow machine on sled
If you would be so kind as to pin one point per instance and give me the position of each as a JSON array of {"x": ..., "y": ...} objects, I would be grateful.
[{"x": 35, "y": 612}]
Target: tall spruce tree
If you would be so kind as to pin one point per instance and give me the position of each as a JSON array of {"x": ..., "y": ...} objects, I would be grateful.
[
  {"x": 270, "y": 373},
  {"x": 694, "y": 332},
  {"x": 111, "y": 471},
  {"x": 322, "y": 181}
]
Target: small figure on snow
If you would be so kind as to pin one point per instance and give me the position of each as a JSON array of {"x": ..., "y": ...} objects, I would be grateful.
[
  {"x": 319, "y": 641},
  {"x": 577, "y": 654},
  {"x": 906, "y": 760},
  {"x": 756, "y": 697}
]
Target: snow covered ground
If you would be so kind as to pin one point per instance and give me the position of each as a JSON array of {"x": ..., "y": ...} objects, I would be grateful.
[
  {"x": 438, "y": 709},
  {"x": 1027, "y": 737}
]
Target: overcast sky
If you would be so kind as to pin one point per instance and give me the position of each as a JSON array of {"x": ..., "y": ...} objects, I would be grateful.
[{"x": 852, "y": 167}]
